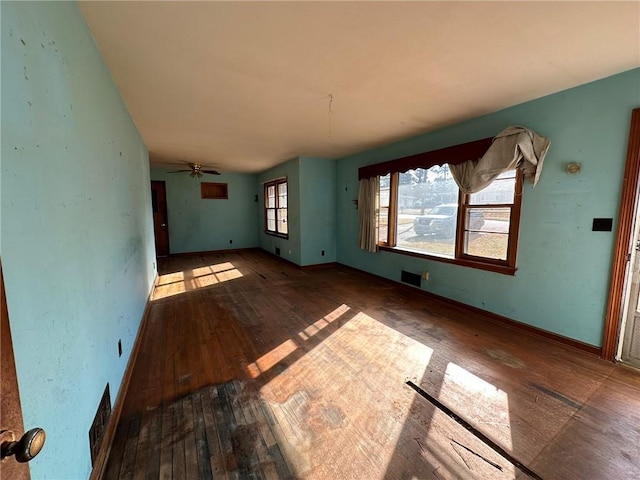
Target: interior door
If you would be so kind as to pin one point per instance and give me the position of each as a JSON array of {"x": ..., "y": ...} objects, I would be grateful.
[
  {"x": 10, "y": 410},
  {"x": 631, "y": 340},
  {"x": 160, "y": 224}
]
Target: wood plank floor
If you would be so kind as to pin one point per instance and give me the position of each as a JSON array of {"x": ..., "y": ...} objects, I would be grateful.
[{"x": 252, "y": 368}]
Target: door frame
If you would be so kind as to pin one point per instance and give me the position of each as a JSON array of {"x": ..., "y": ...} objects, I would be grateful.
[
  {"x": 10, "y": 410},
  {"x": 165, "y": 212},
  {"x": 630, "y": 291},
  {"x": 626, "y": 221}
]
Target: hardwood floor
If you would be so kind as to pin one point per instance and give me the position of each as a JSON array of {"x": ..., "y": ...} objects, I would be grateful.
[{"x": 252, "y": 368}]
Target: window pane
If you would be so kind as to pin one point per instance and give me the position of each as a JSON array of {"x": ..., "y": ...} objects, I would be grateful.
[
  {"x": 271, "y": 220},
  {"x": 488, "y": 245},
  {"x": 271, "y": 196},
  {"x": 487, "y": 232},
  {"x": 385, "y": 190},
  {"x": 282, "y": 221},
  {"x": 282, "y": 195},
  {"x": 382, "y": 221},
  {"x": 427, "y": 211},
  {"x": 383, "y": 225},
  {"x": 500, "y": 191},
  {"x": 492, "y": 220}
]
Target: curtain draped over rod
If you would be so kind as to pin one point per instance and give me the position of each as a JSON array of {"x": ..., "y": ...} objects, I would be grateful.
[
  {"x": 514, "y": 147},
  {"x": 367, "y": 210}
]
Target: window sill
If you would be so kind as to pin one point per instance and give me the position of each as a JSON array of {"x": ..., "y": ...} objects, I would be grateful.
[
  {"x": 463, "y": 262},
  {"x": 279, "y": 235}
]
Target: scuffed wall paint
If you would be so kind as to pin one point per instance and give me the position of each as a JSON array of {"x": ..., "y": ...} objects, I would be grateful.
[{"x": 77, "y": 234}]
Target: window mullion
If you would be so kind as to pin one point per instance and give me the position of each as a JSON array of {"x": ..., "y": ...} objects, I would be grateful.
[
  {"x": 463, "y": 200},
  {"x": 514, "y": 226},
  {"x": 393, "y": 211}
]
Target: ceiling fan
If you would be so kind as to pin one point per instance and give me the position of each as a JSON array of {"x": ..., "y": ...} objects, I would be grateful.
[{"x": 196, "y": 170}]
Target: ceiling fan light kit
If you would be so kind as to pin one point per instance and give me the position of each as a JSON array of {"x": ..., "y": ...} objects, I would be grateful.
[{"x": 196, "y": 170}]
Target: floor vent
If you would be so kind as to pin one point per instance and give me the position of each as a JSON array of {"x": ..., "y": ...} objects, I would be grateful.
[
  {"x": 410, "y": 278},
  {"x": 99, "y": 425}
]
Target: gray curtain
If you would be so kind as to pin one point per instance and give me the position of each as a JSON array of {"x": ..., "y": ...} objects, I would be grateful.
[
  {"x": 367, "y": 211},
  {"x": 514, "y": 147}
]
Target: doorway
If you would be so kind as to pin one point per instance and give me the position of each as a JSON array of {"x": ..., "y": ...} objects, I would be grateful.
[
  {"x": 160, "y": 218},
  {"x": 630, "y": 343},
  {"x": 621, "y": 271}
]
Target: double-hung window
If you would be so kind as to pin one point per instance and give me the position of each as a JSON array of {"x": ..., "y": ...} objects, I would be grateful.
[
  {"x": 275, "y": 207},
  {"x": 423, "y": 213}
]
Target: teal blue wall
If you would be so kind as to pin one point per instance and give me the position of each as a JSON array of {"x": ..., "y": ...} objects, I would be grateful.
[
  {"x": 318, "y": 210},
  {"x": 563, "y": 267},
  {"x": 199, "y": 225},
  {"x": 290, "y": 248},
  {"x": 77, "y": 237},
  {"x": 311, "y": 211}
]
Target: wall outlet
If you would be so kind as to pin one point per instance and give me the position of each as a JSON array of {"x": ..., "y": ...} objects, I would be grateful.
[
  {"x": 322, "y": 253},
  {"x": 230, "y": 241},
  {"x": 425, "y": 275}
]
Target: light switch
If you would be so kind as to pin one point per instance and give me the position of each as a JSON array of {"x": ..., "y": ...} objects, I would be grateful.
[{"x": 602, "y": 224}]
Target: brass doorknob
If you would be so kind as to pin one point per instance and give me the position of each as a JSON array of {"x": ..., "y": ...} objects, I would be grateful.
[{"x": 26, "y": 448}]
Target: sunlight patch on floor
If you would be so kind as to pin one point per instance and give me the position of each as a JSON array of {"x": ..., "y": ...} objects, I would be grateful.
[
  {"x": 316, "y": 401},
  {"x": 286, "y": 348},
  {"x": 176, "y": 283},
  {"x": 170, "y": 278},
  {"x": 268, "y": 360},
  {"x": 482, "y": 405},
  {"x": 325, "y": 321},
  {"x": 487, "y": 403}
]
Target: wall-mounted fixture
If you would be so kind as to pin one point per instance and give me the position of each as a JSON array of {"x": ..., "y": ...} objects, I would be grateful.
[
  {"x": 574, "y": 168},
  {"x": 214, "y": 190}
]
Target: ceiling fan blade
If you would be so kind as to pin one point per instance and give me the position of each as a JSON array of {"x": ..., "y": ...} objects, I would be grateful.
[
  {"x": 178, "y": 171},
  {"x": 212, "y": 172}
]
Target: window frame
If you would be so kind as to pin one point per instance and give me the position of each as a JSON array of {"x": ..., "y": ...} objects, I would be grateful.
[
  {"x": 275, "y": 184},
  {"x": 507, "y": 266}
]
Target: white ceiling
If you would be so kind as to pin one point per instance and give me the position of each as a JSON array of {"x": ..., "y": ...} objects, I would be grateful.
[{"x": 243, "y": 86}]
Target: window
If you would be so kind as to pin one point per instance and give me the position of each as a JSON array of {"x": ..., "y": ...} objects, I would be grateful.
[
  {"x": 487, "y": 218},
  {"x": 422, "y": 212},
  {"x": 275, "y": 207}
]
